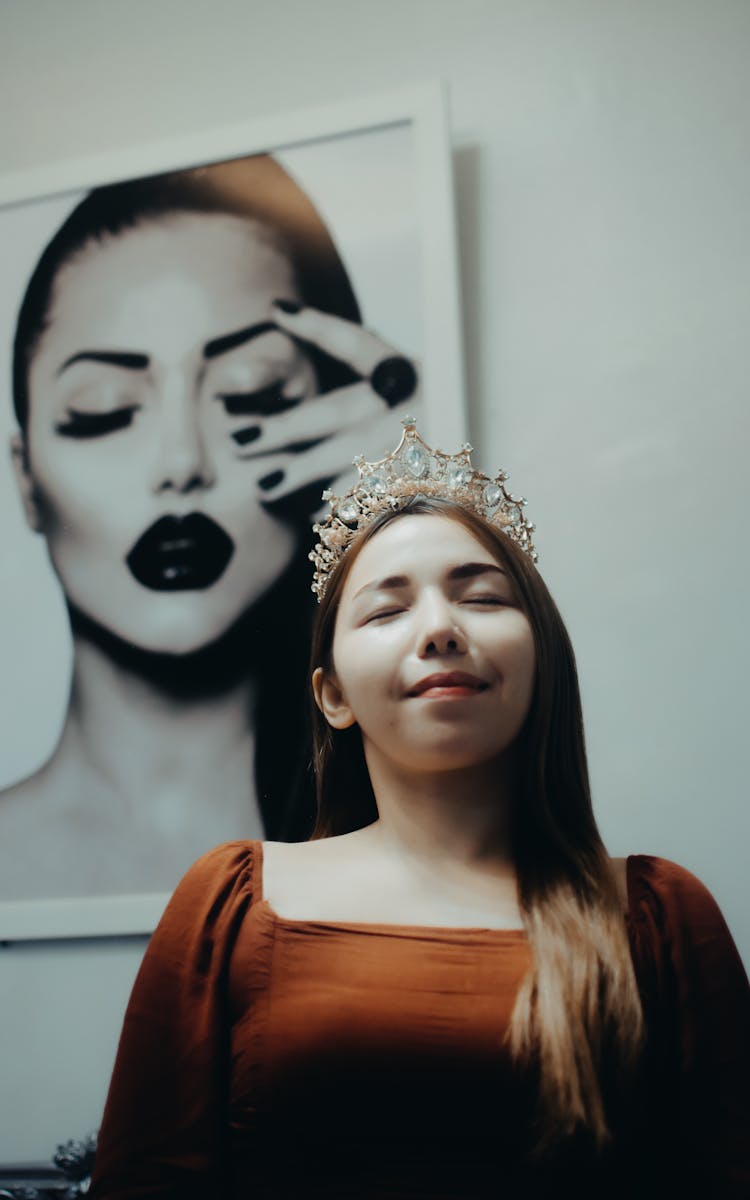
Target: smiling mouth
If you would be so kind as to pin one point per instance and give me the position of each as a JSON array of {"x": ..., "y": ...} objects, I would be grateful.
[
  {"x": 178, "y": 554},
  {"x": 451, "y": 691},
  {"x": 449, "y": 684}
]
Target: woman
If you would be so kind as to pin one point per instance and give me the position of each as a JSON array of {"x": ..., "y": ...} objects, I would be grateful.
[
  {"x": 189, "y": 367},
  {"x": 452, "y": 991}
]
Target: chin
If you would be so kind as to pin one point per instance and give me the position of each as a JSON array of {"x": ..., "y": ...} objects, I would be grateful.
[
  {"x": 176, "y": 646},
  {"x": 178, "y": 633},
  {"x": 442, "y": 761},
  {"x": 178, "y": 638},
  {"x": 460, "y": 752}
]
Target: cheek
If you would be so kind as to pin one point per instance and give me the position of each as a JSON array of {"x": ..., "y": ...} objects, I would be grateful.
[
  {"x": 73, "y": 478},
  {"x": 520, "y": 664},
  {"x": 67, "y": 500},
  {"x": 359, "y": 671},
  {"x": 86, "y": 510},
  {"x": 527, "y": 672}
]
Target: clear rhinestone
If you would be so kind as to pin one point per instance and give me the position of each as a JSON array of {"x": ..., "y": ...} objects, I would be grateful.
[
  {"x": 416, "y": 461},
  {"x": 348, "y": 511},
  {"x": 377, "y": 483},
  {"x": 457, "y": 475},
  {"x": 515, "y": 516},
  {"x": 492, "y": 495}
]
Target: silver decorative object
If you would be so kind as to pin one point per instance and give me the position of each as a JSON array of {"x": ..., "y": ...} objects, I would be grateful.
[{"x": 414, "y": 469}]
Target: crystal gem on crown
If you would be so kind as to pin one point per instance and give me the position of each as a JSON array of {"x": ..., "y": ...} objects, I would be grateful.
[{"x": 413, "y": 468}]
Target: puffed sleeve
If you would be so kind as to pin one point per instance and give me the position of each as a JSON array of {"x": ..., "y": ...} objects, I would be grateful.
[
  {"x": 164, "y": 1123},
  {"x": 703, "y": 996}
]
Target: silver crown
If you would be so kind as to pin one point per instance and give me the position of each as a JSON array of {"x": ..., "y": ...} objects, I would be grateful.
[{"x": 414, "y": 469}]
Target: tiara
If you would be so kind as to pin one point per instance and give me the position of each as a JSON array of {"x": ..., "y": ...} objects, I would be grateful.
[{"x": 414, "y": 469}]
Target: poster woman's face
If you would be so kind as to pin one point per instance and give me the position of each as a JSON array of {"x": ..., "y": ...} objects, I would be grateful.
[{"x": 149, "y": 390}]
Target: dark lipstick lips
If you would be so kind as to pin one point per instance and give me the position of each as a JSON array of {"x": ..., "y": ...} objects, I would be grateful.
[{"x": 177, "y": 554}]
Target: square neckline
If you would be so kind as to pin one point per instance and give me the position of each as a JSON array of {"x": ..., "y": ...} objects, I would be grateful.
[
  {"x": 396, "y": 926},
  {"x": 383, "y": 927}
]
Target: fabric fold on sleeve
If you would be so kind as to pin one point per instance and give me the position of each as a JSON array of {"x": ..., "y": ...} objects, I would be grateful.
[
  {"x": 165, "y": 1119},
  {"x": 695, "y": 977}
]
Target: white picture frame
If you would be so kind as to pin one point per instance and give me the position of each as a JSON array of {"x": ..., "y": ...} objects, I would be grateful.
[{"x": 310, "y": 141}]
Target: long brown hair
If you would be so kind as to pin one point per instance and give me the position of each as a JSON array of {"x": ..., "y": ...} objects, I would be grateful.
[{"x": 578, "y": 1005}]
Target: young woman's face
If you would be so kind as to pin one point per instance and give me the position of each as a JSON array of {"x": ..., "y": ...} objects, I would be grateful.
[
  {"x": 433, "y": 658},
  {"x": 148, "y": 394}
]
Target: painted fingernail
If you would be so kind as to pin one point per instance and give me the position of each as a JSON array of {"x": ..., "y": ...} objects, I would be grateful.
[
  {"x": 394, "y": 379},
  {"x": 243, "y": 437},
  {"x": 288, "y": 306},
  {"x": 270, "y": 481}
]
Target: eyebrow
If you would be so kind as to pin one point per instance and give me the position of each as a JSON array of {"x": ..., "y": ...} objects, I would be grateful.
[
  {"x": 113, "y": 358},
  {"x": 464, "y": 571},
  {"x": 229, "y": 341},
  {"x": 132, "y": 361}
]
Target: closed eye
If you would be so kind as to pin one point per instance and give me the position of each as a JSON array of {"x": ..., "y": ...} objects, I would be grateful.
[
  {"x": 383, "y": 614},
  {"x": 489, "y": 600},
  {"x": 90, "y": 425},
  {"x": 265, "y": 402}
]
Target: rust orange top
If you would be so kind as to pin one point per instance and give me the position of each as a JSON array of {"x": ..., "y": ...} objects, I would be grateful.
[{"x": 282, "y": 1059}]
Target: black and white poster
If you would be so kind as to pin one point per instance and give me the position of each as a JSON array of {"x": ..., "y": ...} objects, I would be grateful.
[{"x": 189, "y": 355}]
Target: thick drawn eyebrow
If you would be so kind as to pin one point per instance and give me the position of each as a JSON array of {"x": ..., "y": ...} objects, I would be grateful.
[
  {"x": 113, "y": 358},
  {"x": 133, "y": 361},
  {"x": 229, "y": 341},
  {"x": 464, "y": 571}
]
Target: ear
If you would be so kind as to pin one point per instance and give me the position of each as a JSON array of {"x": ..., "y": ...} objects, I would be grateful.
[
  {"x": 19, "y": 454},
  {"x": 331, "y": 701}
]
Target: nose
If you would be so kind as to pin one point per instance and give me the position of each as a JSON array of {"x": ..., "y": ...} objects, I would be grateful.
[
  {"x": 439, "y": 635},
  {"x": 182, "y": 463}
]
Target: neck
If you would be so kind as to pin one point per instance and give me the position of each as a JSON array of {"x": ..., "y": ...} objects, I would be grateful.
[
  {"x": 460, "y": 816},
  {"x": 139, "y": 723}
]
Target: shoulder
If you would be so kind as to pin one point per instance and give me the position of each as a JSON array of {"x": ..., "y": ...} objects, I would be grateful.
[
  {"x": 199, "y": 927},
  {"x": 231, "y": 861},
  {"x": 17, "y": 799},
  {"x": 676, "y": 914},
  {"x": 22, "y": 806},
  {"x": 338, "y": 874},
  {"x": 40, "y": 832},
  {"x": 286, "y": 857},
  {"x": 669, "y": 886},
  {"x": 219, "y": 883},
  {"x": 314, "y": 854},
  {"x": 292, "y": 871}
]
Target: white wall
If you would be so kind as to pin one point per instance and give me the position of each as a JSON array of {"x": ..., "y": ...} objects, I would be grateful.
[{"x": 603, "y": 180}]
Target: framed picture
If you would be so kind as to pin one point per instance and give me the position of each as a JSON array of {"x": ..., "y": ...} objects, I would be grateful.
[{"x": 171, "y": 428}]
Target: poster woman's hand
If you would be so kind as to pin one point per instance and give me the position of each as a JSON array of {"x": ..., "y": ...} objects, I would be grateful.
[{"x": 341, "y": 423}]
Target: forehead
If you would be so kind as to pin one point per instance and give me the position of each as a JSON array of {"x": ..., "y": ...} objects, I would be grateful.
[
  {"x": 421, "y": 546},
  {"x": 208, "y": 243},
  {"x": 198, "y": 269}
]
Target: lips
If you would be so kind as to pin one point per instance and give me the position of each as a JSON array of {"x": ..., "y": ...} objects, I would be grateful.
[
  {"x": 458, "y": 682},
  {"x": 178, "y": 554}
]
